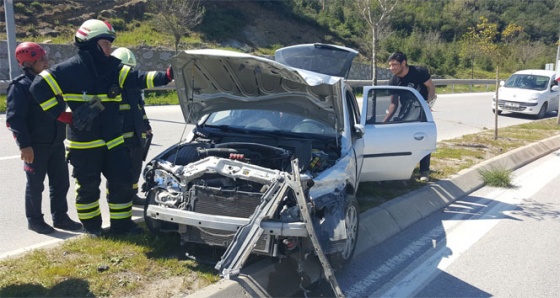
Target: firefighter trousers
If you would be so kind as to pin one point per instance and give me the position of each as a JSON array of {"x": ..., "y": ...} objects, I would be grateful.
[
  {"x": 136, "y": 155},
  {"x": 88, "y": 166},
  {"x": 49, "y": 160}
]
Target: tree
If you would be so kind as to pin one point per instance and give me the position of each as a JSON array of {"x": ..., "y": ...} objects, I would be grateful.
[
  {"x": 527, "y": 51},
  {"x": 178, "y": 17},
  {"x": 489, "y": 41},
  {"x": 376, "y": 14},
  {"x": 468, "y": 50}
]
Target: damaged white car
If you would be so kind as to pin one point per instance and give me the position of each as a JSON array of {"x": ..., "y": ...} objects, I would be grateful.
[{"x": 277, "y": 153}]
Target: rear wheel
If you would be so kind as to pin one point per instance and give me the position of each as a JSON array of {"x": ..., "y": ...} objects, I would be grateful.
[
  {"x": 494, "y": 111},
  {"x": 542, "y": 111},
  {"x": 352, "y": 221}
]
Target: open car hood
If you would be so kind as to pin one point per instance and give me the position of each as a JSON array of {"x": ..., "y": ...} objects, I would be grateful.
[{"x": 212, "y": 80}]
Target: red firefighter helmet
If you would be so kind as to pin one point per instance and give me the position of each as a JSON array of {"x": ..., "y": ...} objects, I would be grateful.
[{"x": 29, "y": 52}]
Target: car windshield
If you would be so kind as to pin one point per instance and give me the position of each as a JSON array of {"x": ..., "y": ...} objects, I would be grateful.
[
  {"x": 527, "y": 81},
  {"x": 267, "y": 121}
]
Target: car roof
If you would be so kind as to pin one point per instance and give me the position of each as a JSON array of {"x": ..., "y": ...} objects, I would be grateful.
[{"x": 540, "y": 72}]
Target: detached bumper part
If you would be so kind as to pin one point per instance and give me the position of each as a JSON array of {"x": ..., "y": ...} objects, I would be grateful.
[{"x": 226, "y": 223}]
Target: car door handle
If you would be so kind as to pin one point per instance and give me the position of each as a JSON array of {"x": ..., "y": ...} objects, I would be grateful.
[{"x": 419, "y": 136}]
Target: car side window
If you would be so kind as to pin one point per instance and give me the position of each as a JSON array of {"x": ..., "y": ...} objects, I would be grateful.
[{"x": 407, "y": 107}]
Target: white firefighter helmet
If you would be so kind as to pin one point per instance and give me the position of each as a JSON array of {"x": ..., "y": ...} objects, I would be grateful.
[
  {"x": 94, "y": 30},
  {"x": 127, "y": 56}
]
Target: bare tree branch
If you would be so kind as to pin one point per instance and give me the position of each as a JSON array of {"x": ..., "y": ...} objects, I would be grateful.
[
  {"x": 178, "y": 17},
  {"x": 377, "y": 14}
]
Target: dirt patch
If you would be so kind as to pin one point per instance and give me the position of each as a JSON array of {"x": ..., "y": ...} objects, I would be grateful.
[
  {"x": 268, "y": 28},
  {"x": 167, "y": 288}
]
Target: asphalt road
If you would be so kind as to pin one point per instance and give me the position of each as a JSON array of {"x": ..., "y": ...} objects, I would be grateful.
[
  {"x": 168, "y": 126},
  {"x": 494, "y": 242},
  {"x": 455, "y": 115}
]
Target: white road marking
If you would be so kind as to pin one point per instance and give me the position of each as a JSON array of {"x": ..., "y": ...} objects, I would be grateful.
[
  {"x": 9, "y": 157},
  {"x": 467, "y": 233},
  {"x": 461, "y": 235}
]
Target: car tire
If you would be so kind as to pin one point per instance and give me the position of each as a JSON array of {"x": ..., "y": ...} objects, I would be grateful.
[
  {"x": 352, "y": 219},
  {"x": 542, "y": 111},
  {"x": 494, "y": 111}
]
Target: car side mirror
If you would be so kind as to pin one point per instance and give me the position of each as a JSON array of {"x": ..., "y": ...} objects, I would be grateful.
[
  {"x": 555, "y": 88},
  {"x": 502, "y": 83},
  {"x": 360, "y": 130}
]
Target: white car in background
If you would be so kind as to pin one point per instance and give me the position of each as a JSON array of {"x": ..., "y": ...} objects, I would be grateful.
[{"x": 532, "y": 92}]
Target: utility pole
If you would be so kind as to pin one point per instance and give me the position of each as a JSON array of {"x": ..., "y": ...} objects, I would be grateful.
[
  {"x": 11, "y": 34},
  {"x": 558, "y": 72}
]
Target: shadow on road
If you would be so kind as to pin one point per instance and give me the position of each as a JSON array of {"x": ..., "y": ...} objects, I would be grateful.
[
  {"x": 73, "y": 287},
  {"x": 407, "y": 264}
]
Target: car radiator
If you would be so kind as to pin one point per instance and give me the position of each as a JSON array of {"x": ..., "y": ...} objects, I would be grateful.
[{"x": 233, "y": 203}]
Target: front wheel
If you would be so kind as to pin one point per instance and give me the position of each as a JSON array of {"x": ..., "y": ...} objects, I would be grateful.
[
  {"x": 542, "y": 111},
  {"x": 352, "y": 222},
  {"x": 494, "y": 111}
]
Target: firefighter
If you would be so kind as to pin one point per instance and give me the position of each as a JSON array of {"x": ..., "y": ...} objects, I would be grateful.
[
  {"x": 89, "y": 84},
  {"x": 136, "y": 126},
  {"x": 40, "y": 138}
]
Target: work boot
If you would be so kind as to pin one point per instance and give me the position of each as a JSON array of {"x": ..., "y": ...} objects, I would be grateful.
[
  {"x": 40, "y": 227},
  {"x": 65, "y": 223},
  {"x": 126, "y": 227},
  {"x": 93, "y": 228},
  {"x": 136, "y": 200},
  {"x": 94, "y": 233}
]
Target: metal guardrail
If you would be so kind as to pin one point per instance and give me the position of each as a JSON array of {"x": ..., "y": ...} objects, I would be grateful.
[
  {"x": 437, "y": 82},
  {"x": 354, "y": 83}
]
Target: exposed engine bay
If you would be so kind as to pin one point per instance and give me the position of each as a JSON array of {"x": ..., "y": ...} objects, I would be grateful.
[{"x": 221, "y": 178}]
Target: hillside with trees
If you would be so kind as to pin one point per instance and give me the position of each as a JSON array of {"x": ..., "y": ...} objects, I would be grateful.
[{"x": 433, "y": 33}]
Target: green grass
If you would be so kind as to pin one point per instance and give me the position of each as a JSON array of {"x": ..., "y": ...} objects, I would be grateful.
[
  {"x": 459, "y": 88},
  {"x": 157, "y": 98},
  {"x": 453, "y": 155},
  {"x": 86, "y": 267},
  {"x": 2, "y": 103},
  {"x": 497, "y": 177}
]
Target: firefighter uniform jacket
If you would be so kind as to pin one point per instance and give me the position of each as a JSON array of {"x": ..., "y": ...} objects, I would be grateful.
[
  {"x": 77, "y": 81},
  {"x": 25, "y": 118},
  {"x": 135, "y": 119}
]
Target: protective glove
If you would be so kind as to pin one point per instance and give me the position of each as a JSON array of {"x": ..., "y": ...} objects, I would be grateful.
[
  {"x": 65, "y": 117},
  {"x": 84, "y": 115},
  {"x": 169, "y": 73}
]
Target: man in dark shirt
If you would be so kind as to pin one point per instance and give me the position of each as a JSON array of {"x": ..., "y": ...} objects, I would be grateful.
[{"x": 418, "y": 78}]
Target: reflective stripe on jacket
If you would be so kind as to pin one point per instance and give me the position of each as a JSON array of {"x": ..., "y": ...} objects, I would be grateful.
[{"x": 75, "y": 81}]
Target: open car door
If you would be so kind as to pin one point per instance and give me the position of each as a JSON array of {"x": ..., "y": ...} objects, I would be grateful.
[{"x": 395, "y": 144}]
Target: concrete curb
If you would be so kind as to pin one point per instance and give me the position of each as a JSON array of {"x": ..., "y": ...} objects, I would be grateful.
[{"x": 380, "y": 223}]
